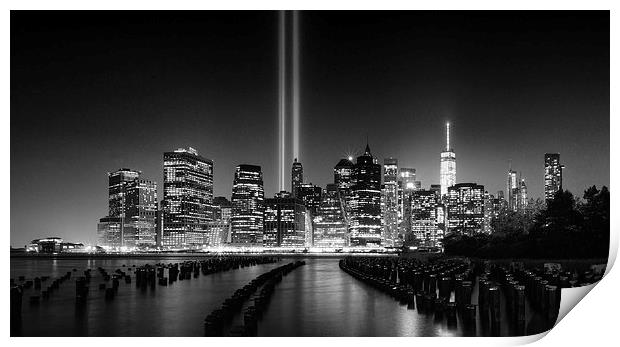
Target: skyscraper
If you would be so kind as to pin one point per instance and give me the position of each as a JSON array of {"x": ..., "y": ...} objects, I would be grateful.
[
  {"x": 343, "y": 179},
  {"x": 365, "y": 221},
  {"x": 132, "y": 210},
  {"x": 310, "y": 195},
  {"x": 140, "y": 218},
  {"x": 188, "y": 198},
  {"x": 447, "y": 169},
  {"x": 512, "y": 189},
  {"x": 424, "y": 223},
  {"x": 329, "y": 224},
  {"x": 466, "y": 208},
  {"x": 297, "y": 177},
  {"x": 407, "y": 185},
  {"x": 247, "y": 206},
  {"x": 522, "y": 199},
  {"x": 389, "y": 202},
  {"x": 553, "y": 175},
  {"x": 285, "y": 222}
]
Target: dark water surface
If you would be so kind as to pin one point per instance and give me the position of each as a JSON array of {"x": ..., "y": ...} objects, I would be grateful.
[{"x": 317, "y": 299}]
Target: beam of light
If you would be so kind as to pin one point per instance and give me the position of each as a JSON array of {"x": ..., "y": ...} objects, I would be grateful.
[
  {"x": 282, "y": 98},
  {"x": 295, "y": 84},
  {"x": 447, "y": 136}
]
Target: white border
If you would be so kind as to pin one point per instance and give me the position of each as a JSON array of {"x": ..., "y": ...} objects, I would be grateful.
[{"x": 590, "y": 322}]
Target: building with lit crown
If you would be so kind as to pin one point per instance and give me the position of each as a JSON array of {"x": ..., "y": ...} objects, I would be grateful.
[
  {"x": 447, "y": 168},
  {"x": 365, "y": 221},
  {"x": 389, "y": 203},
  {"x": 297, "y": 176}
]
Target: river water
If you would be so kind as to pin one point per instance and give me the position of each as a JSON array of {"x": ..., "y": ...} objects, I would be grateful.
[{"x": 317, "y": 299}]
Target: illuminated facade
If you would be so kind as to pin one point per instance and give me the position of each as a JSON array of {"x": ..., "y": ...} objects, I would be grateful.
[
  {"x": 424, "y": 216},
  {"x": 343, "y": 179},
  {"x": 310, "y": 195},
  {"x": 465, "y": 208},
  {"x": 247, "y": 206},
  {"x": 330, "y": 224},
  {"x": 140, "y": 218},
  {"x": 188, "y": 198},
  {"x": 365, "y": 221},
  {"x": 297, "y": 177},
  {"x": 222, "y": 209},
  {"x": 389, "y": 203},
  {"x": 217, "y": 233},
  {"x": 407, "y": 185},
  {"x": 522, "y": 197},
  {"x": 447, "y": 169},
  {"x": 285, "y": 222},
  {"x": 132, "y": 208},
  {"x": 553, "y": 175},
  {"x": 512, "y": 189}
]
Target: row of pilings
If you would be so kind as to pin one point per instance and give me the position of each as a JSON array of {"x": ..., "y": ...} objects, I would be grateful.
[
  {"x": 41, "y": 289},
  {"x": 444, "y": 289},
  {"x": 259, "y": 292}
]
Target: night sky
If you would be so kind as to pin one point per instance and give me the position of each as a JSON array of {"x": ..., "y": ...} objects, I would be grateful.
[{"x": 92, "y": 92}]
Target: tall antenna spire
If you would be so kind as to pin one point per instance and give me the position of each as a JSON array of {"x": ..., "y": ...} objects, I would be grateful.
[{"x": 447, "y": 136}]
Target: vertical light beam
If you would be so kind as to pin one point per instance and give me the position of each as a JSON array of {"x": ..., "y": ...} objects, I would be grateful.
[
  {"x": 295, "y": 84},
  {"x": 447, "y": 136},
  {"x": 282, "y": 97}
]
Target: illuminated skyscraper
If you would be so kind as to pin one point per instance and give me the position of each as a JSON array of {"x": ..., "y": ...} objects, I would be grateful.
[
  {"x": 553, "y": 175},
  {"x": 329, "y": 224},
  {"x": 343, "y": 179},
  {"x": 140, "y": 218},
  {"x": 424, "y": 223},
  {"x": 188, "y": 198},
  {"x": 512, "y": 189},
  {"x": 407, "y": 185},
  {"x": 365, "y": 221},
  {"x": 466, "y": 208},
  {"x": 447, "y": 169},
  {"x": 297, "y": 177},
  {"x": 522, "y": 198},
  {"x": 285, "y": 222},
  {"x": 389, "y": 202},
  {"x": 247, "y": 206},
  {"x": 132, "y": 211}
]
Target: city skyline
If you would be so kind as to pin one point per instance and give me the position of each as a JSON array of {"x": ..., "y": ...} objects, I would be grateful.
[{"x": 408, "y": 129}]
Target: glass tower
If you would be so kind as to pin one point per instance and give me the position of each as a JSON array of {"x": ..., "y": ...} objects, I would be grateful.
[
  {"x": 553, "y": 175},
  {"x": 247, "y": 206},
  {"x": 447, "y": 169},
  {"x": 365, "y": 222},
  {"x": 188, "y": 198}
]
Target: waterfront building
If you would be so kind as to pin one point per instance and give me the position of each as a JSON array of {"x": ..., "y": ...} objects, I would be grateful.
[
  {"x": 132, "y": 208},
  {"x": 365, "y": 221},
  {"x": 553, "y": 175},
  {"x": 512, "y": 189},
  {"x": 141, "y": 216},
  {"x": 407, "y": 185},
  {"x": 343, "y": 179},
  {"x": 188, "y": 198},
  {"x": 310, "y": 195},
  {"x": 465, "y": 208},
  {"x": 389, "y": 203},
  {"x": 424, "y": 217},
  {"x": 285, "y": 222},
  {"x": 222, "y": 209},
  {"x": 297, "y": 176},
  {"x": 447, "y": 169},
  {"x": 330, "y": 224},
  {"x": 217, "y": 233},
  {"x": 247, "y": 206}
]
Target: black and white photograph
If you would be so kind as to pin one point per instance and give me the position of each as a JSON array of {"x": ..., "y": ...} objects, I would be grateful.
[{"x": 305, "y": 173}]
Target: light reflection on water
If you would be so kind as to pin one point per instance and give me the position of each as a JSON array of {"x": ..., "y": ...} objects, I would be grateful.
[{"x": 317, "y": 299}]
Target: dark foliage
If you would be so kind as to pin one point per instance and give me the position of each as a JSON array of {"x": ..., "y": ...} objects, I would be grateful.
[{"x": 565, "y": 229}]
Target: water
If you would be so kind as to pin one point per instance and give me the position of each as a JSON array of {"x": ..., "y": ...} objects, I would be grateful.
[{"x": 317, "y": 299}]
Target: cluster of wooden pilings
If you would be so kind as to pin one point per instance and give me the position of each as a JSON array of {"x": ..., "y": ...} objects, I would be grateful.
[
  {"x": 259, "y": 290},
  {"x": 445, "y": 288},
  {"x": 146, "y": 277}
]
